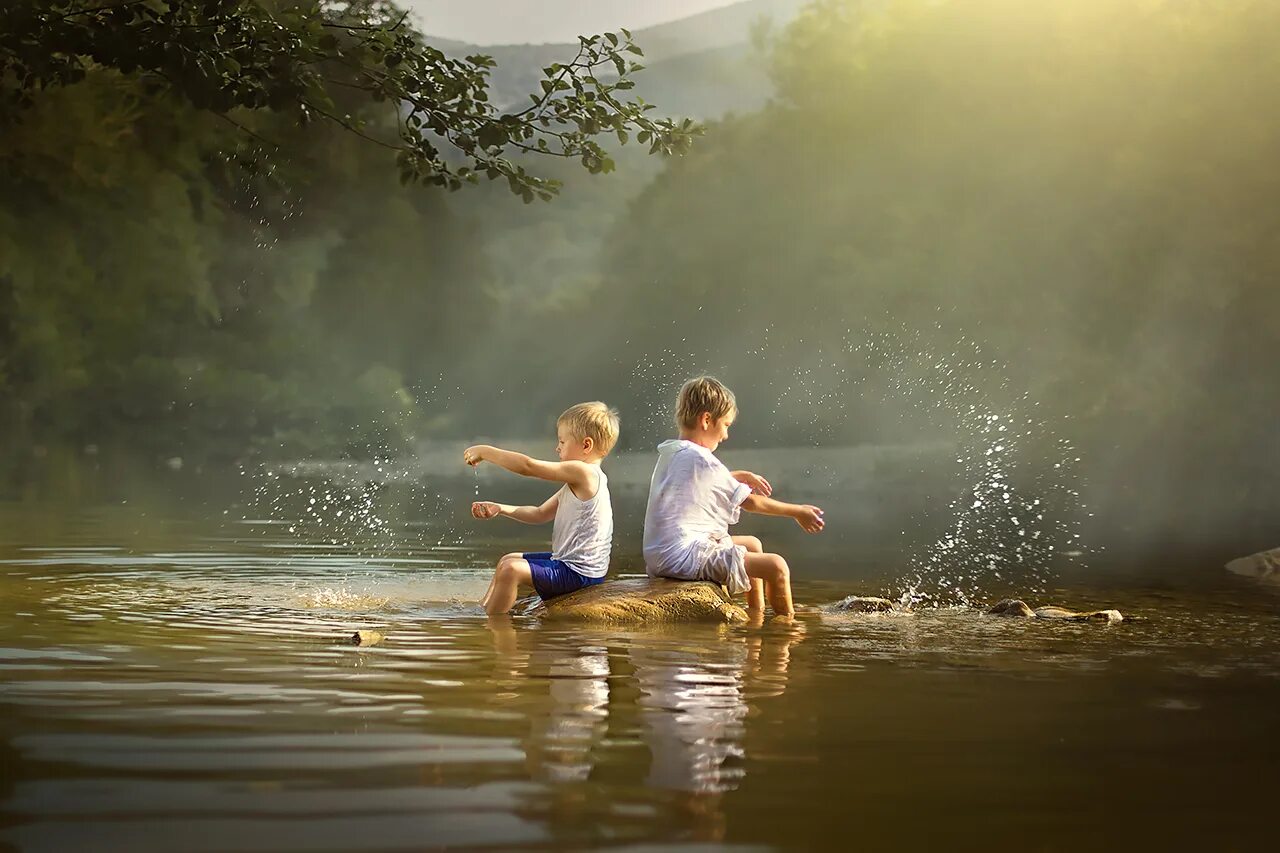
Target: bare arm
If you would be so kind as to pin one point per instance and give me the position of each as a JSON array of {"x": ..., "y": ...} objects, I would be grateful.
[
  {"x": 577, "y": 474},
  {"x": 808, "y": 517},
  {"x": 527, "y": 514},
  {"x": 758, "y": 484}
]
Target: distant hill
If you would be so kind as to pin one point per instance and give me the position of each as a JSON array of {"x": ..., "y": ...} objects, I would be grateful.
[{"x": 701, "y": 66}]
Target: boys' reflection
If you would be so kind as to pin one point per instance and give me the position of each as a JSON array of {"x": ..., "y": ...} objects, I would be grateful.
[
  {"x": 692, "y": 711},
  {"x": 561, "y": 743},
  {"x": 694, "y": 699},
  {"x": 695, "y": 691},
  {"x": 561, "y": 739}
]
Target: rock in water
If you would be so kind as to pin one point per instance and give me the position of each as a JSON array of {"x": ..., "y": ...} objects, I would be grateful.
[
  {"x": 365, "y": 638},
  {"x": 1072, "y": 616},
  {"x": 1264, "y": 565},
  {"x": 645, "y": 600},
  {"x": 1011, "y": 607},
  {"x": 865, "y": 604},
  {"x": 1019, "y": 608}
]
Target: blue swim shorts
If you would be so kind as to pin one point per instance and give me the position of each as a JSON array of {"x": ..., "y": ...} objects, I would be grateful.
[{"x": 554, "y": 577}]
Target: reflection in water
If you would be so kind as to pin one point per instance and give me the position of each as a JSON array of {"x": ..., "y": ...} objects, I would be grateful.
[
  {"x": 192, "y": 689},
  {"x": 692, "y": 709},
  {"x": 562, "y": 740},
  {"x": 693, "y": 705},
  {"x": 696, "y": 689},
  {"x": 694, "y": 702}
]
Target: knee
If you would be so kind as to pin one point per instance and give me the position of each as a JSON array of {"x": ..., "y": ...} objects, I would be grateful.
[
  {"x": 753, "y": 544},
  {"x": 781, "y": 571},
  {"x": 506, "y": 566}
]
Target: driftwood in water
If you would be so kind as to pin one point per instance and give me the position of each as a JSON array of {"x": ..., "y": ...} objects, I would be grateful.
[
  {"x": 366, "y": 638},
  {"x": 644, "y": 600},
  {"x": 1016, "y": 607}
]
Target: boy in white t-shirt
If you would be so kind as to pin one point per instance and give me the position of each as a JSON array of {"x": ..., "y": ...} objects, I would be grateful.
[
  {"x": 693, "y": 498},
  {"x": 582, "y": 536}
]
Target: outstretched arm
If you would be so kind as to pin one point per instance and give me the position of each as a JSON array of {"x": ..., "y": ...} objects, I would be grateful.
[
  {"x": 808, "y": 517},
  {"x": 758, "y": 484},
  {"x": 576, "y": 474},
  {"x": 527, "y": 514}
]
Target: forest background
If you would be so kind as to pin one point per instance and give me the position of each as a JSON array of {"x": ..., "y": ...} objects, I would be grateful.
[{"x": 1071, "y": 205}]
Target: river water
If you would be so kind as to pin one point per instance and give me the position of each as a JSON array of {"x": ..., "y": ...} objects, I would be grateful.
[{"x": 178, "y": 676}]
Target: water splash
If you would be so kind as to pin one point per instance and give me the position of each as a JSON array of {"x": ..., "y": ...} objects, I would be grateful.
[{"x": 1018, "y": 512}]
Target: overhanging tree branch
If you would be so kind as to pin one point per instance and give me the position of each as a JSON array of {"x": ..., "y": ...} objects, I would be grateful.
[{"x": 225, "y": 55}]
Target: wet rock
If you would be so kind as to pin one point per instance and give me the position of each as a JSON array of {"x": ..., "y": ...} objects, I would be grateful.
[
  {"x": 1264, "y": 565},
  {"x": 366, "y": 638},
  {"x": 645, "y": 600},
  {"x": 866, "y": 604},
  {"x": 1074, "y": 616},
  {"x": 1011, "y": 607},
  {"x": 1018, "y": 608}
]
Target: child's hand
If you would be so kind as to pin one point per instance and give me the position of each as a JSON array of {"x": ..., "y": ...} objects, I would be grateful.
[
  {"x": 473, "y": 455},
  {"x": 485, "y": 509},
  {"x": 759, "y": 485},
  {"x": 810, "y": 519}
]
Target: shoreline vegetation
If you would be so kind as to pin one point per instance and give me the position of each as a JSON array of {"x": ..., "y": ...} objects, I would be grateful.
[{"x": 1060, "y": 212}]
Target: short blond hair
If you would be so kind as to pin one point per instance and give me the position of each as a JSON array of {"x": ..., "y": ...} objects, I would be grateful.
[
  {"x": 595, "y": 421},
  {"x": 703, "y": 394}
]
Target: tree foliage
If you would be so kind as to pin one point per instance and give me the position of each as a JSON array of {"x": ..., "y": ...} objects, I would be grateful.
[
  {"x": 321, "y": 61},
  {"x": 202, "y": 239}
]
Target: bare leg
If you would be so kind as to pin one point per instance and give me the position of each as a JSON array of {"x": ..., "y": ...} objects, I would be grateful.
[
  {"x": 755, "y": 595},
  {"x": 488, "y": 593},
  {"x": 773, "y": 571},
  {"x": 507, "y": 578}
]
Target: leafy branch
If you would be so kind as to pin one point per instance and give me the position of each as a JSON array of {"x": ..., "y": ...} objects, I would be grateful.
[{"x": 328, "y": 60}]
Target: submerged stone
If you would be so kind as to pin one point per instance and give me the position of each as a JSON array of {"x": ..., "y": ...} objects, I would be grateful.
[
  {"x": 1011, "y": 607},
  {"x": 644, "y": 600},
  {"x": 866, "y": 604},
  {"x": 1016, "y": 607}
]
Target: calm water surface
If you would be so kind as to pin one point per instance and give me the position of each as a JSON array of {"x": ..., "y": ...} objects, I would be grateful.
[{"x": 178, "y": 684}]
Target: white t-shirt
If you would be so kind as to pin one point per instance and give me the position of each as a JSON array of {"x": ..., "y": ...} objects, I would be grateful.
[
  {"x": 692, "y": 501},
  {"x": 582, "y": 535}
]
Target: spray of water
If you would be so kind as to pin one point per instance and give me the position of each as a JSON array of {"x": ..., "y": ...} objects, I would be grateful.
[{"x": 1018, "y": 510}]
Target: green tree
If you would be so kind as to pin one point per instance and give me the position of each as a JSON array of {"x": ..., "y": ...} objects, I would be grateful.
[{"x": 311, "y": 59}]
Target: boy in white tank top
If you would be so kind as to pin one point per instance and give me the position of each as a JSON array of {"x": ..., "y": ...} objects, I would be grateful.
[{"x": 582, "y": 536}]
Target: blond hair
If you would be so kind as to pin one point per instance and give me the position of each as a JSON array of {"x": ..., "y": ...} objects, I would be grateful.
[
  {"x": 595, "y": 421},
  {"x": 703, "y": 394}
]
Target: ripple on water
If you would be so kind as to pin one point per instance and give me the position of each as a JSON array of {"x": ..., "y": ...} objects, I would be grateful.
[{"x": 213, "y": 702}]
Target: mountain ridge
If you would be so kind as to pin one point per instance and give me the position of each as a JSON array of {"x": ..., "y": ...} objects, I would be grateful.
[{"x": 707, "y": 57}]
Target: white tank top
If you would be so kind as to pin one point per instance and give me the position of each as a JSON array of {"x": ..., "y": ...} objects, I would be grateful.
[{"x": 583, "y": 532}]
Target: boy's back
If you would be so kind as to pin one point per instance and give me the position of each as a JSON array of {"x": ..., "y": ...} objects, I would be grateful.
[
  {"x": 582, "y": 535},
  {"x": 692, "y": 501},
  {"x": 693, "y": 498}
]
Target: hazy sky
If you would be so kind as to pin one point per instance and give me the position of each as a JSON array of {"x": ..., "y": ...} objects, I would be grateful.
[{"x": 516, "y": 21}]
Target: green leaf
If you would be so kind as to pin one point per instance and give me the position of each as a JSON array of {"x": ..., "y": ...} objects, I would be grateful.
[{"x": 492, "y": 135}]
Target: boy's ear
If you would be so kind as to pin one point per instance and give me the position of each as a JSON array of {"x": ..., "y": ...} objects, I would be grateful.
[
  {"x": 588, "y": 444},
  {"x": 704, "y": 420}
]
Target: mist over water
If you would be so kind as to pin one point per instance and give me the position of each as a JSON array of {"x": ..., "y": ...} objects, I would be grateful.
[{"x": 993, "y": 283}]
